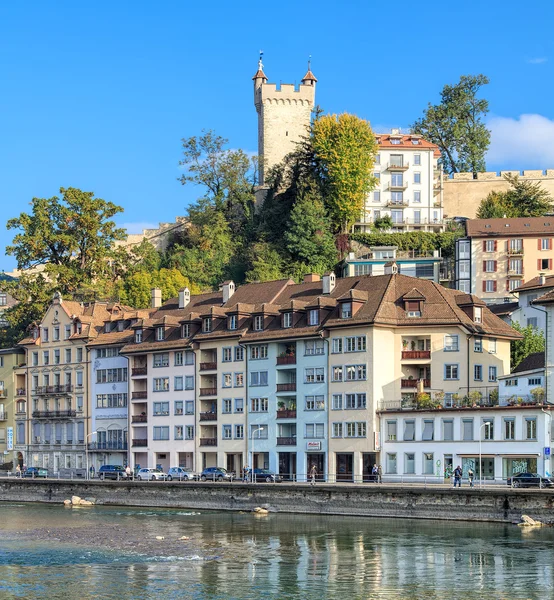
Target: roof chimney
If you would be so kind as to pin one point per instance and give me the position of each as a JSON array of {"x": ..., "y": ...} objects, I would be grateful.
[
  {"x": 329, "y": 282},
  {"x": 156, "y": 296},
  {"x": 184, "y": 297},
  {"x": 311, "y": 278},
  {"x": 542, "y": 278},
  {"x": 228, "y": 289},
  {"x": 391, "y": 268}
]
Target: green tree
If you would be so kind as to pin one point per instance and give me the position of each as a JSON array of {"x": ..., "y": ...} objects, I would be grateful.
[
  {"x": 265, "y": 263},
  {"x": 344, "y": 148},
  {"x": 383, "y": 223},
  {"x": 533, "y": 341},
  {"x": 456, "y": 125},
  {"x": 522, "y": 199},
  {"x": 308, "y": 236},
  {"x": 73, "y": 237}
]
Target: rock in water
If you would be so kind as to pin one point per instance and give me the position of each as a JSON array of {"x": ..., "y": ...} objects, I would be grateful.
[
  {"x": 260, "y": 511},
  {"x": 160, "y": 537},
  {"x": 67, "y": 502},
  {"x": 529, "y": 522},
  {"x": 75, "y": 500}
]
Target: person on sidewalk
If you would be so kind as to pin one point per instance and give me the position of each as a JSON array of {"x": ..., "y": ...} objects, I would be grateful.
[
  {"x": 380, "y": 474},
  {"x": 458, "y": 476},
  {"x": 470, "y": 476},
  {"x": 18, "y": 471},
  {"x": 313, "y": 474}
]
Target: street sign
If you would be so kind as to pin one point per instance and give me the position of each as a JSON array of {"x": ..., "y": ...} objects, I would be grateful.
[
  {"x": 9, "y": 439},
  {"x": 547, "y": 451}
]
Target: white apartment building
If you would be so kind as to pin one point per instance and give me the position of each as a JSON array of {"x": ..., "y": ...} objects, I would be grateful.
[
  {"x": 525, "y": 384},
  {"x": 409, "y": 187}
]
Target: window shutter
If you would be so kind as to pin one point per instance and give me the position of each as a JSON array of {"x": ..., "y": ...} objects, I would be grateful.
[
  {"x": 550, "y": 264},
  {"x": 484, "y": 266},
  {"x": 550, "y": 243},
  {"x": 495, "y": 245},
  {"x": 484, "y": 245},
  {"x": 539, "y": 244},
  {"x": 507, "y": 285},
  {"x": 494, "y": 286},
  {"x": 539, "y": 264},
  {"x": 484, "y": 286},
  {"x": 495, "y": 266}
]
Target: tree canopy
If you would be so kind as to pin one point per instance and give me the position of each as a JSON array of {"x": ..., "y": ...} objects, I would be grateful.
[
  {"x": 524, "y": 199},
  {"x": 456, "y": 125},
  {"x": 533, "y": 341}
]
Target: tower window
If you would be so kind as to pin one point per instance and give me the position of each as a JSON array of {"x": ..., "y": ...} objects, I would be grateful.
[{"x": 287, "y": 133}]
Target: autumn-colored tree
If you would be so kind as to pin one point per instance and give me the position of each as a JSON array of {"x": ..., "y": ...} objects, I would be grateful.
[{"x": 344, "y": 149}]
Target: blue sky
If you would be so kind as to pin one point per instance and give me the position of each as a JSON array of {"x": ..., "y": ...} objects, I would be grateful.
[{"x": 97, "y": 95}]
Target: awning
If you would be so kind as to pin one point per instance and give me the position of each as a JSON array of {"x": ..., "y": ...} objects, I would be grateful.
[
  {"x": 507, "y": 454},
  {"x": 474, "y": 455}
]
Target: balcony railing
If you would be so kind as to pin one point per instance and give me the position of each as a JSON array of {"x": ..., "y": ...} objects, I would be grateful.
[
  {"x": 54, "y": 414},
  {"x": 54, "y": 389},
  {"x": 515, "y": 272},
  {"x": 107, "y": 446},
  {"x": 286, "y": 387},
  {"x": 394, "y": 167},
  {"x": 396, "y": 187},
  {"x": 286, "y": 441},
  {"x": 208, "y": 416},
  {"x": 141, "y": 443},
  {"x": 3, "y": 394},
  {"x": 139, "y": 419},
  {"x": 208, "y": 441},
  {"x": 290, "y": 359},
  {"x": 286, "y": 413},
  {"x": 139, "y": 371},
  {"x": 416, "y": 354},
  {"x": 142, "y": 395},
  {"x": 3, "y": 416},
  {"x": 208, "y": 366},
  {"x": 208, "y": 391},
  {"x": 21, "y": 392},
  {"x": 515, "y": 251},
  {"x": 412, "y": 383}
]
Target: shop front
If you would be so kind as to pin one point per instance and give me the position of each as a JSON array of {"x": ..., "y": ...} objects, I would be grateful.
[{"x": 512, "y": 465}]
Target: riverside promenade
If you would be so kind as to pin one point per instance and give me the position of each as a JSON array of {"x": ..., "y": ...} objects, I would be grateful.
[{"x": 498, "y": 504}]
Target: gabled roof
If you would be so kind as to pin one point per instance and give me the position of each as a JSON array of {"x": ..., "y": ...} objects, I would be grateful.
[
  {"x": 413, "y": 294},
  {"x": 521, "y": 226},
  {"x": 531, "y": 363},
  {"x": 534, "y": 284},
  {"x": 384, "y": 141}
]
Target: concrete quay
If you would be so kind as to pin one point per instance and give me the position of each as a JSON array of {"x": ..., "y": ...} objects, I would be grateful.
[{"x": 413, "y": 502}]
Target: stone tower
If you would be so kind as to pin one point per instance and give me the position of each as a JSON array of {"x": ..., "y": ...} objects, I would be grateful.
[{"x": 284, "y": 113}]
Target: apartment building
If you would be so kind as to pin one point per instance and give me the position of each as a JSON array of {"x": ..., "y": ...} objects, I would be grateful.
[
  {"x": 7, "y": 301},
  {"x": 10, "y": 360},
  {"x": 53, "y": 417},
  {"x": 497, "y": 256},
  {"x": 409, "y": 188},
  {"x": 288, "y": 376}
]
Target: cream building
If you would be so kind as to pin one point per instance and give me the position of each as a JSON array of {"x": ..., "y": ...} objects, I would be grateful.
[
  {"x": 497, "y": 256},
  {"x": 12, "y": 387}
]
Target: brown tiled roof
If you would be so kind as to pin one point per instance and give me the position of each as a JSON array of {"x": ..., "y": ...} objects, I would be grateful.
[
  {"x": 309, "y": 76},
  {"x": 469, "y": 300},
  {"x": 113, "y": 337},
  {"x": 259, "y": 73},
  {"x": 547, "y": 298},
  {"x": 534, "y": 284},
  {"x": 383, "y": 139},
  {"x": 413, "y": 294},
  {"x": 521, "y": 226}
]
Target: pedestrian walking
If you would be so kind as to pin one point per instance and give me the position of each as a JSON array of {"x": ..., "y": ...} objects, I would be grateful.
[
  {"x": 375, "y": 473},
  {"x": 128, "y": 471},
  {"x": 92, "y": 471},
  {"x": 313, "y": 474},
  {"x": 470, "y": 476},
  {"x": 380, "y": 474},
  {"x": 245, "y": 473},
  {"x": 18, "y": 471},
  {"x": 458, "y": 476}
]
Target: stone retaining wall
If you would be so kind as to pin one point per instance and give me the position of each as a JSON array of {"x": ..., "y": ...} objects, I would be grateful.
[{"x": 369, "y": 501}]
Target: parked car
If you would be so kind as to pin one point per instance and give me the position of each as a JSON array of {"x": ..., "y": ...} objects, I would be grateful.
[
  {"x": 182, "y": 474},
  {"x": 111, "y": 472},
  {"x": 529, "y": 480},
  {"x": 216, "y": 474},
  {"x": 35, "y": 472},
  {"x": 151, "y": 474},
  {"x": 267, "y": 476}
]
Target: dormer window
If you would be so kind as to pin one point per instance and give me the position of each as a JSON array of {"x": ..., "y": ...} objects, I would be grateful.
[
  {"x": 106, "y": 327},
  {"x": 287, "y": 320},
  {"x": 120, "y": 326},
  {"x": 413, "y": 309},
  {"x": 78, "y": 327},
  {"x": 258, "y": 323},
  {"x": 478, "y": 314},
  {"x": 346, "y": 310},
  {"x": 138, "y": 336},
  {"x": 395, "y": 141},
  {"x": 185, "y": 330},
  {"x": 159, "y": 333},
  {"x": 233, "y": 322},
  {"x": 313, "y": 317},
  {"x": 207, "y": 325},
  {"x": 35, "y": 333}
]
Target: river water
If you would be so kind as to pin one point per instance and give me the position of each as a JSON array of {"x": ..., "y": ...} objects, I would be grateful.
[{"x": 55, "y": 552}]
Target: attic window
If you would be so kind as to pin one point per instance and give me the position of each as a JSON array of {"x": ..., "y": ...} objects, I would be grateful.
[
  {"x": 258, "y": 323},
  {"x": 487, "y": 226},
  {"x": 159, "y": 333},
  {"x": 120, "y": 326},
  {"x": 138, "y": 336},
  {"x": 506, "y": 225},
  {"x": 185, "y": 330},
  {"x": 547, "y": 224},
  {"x": 478, "y": 314},
  {"x": 413, "y": 308},
  {"x": 395, "y": 141},
  {"x": 232, "y": 322},
  {"x": 313, "y": 317},
  {"x": 287, "y": 320},
  {"x": 207, "y": 325},
  {"x": 346, "y": 310},
  {"x": 526, "y": 225},
  {"x": 78, "y": 327},
  {"x": 106, "y": 327},
  {"x": 415, "y": 142}
]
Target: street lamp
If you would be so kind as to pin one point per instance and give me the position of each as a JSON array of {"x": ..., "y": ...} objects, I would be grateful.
[
  {"x": 480, "y": 459},
  {"x": 86, "y": 452},
  {"x": 252, "y": 463}
]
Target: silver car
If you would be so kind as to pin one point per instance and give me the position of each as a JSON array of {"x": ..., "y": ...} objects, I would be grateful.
[
  {"x": 151, "y": 474},
  {"x": 182, "y": 474}
]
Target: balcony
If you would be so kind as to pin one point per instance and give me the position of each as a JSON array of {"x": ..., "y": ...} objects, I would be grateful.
[
  {"x": 140, "y": 443},
  {"x": 139, "y": 372},
  {"x": 142, "y": 395},
  {"x": 396, "y": 187},
  {"x": 107, "y": 446},
  {"x": 208, "y": 416},
  {"x": 54, "y": 414},
  {"x": 45, "y": 390},
  {"x": 416, "y": 354},
  {"x": 208, "y": 391},
  {"x": 208, "y": 441},
  {"x": 139, "y": 419},
  {"x": 286, "y": 360},
  {"x": 3, "y": 416},
  {"x": 208, "y": 366},
  {"x": 21, "y": 392},
  {"x": 515, "y": 272},
  {"x": 286, "y": 414},
  {"x": 515, "y": 251},
  {"x": 396, "y": 167},
  {"x": 396, "y": 204},
  {"x": 412, "y": 383},
  {"x": 286, "y": 387},
  {"x": 3, "y": 394},
  {"x": 286, "y": 441}
]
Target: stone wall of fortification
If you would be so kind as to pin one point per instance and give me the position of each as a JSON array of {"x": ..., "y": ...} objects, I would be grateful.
[{"x": 463, "y": 194}]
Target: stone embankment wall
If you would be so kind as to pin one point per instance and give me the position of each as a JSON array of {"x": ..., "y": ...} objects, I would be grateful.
[
  {"x": 368, "y": 501},
  {"x": 462, "y": 194}
]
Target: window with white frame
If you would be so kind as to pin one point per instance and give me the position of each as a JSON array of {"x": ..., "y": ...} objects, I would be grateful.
[
  {"x": 178, "y": 432},
  {"x": 159, "y": 333},
  {"x": 417, "y": 160},
  {"x": 161, "y": 360},
  {"x": 178, "y": 359},
  {"x": 232, "y": 322},
  {"x": 315, "y": 430},
  {"x": 490, "y": 245},
  {"x": 490, "y": 287},
  {"x": 206, "y": 325},
  {"x": 478, "y": 372},
  {"x": 239, "y": 432},
  {"x": 488, "y": 429},
  {"x": 161, "y": 433},
  {"x": 315, "y": 403},
  {"x": 417, "y": 196},
  {"x": 239, "y": 405},
  {"x": 239, "y": 353},
  {"x": 391, "y": 463},
  {"x": 227, "y": 406},
  {"x": 509, "y": 428},
  {"x": 185, "y": 330},
  {"x": 178, "y": 407},
  {"x": 355, "y": 401},
  {"x": 227, "y": 354},
  {"x": 336, "y": 402},
  {"x": 337, "y": 345},
  {"x": 357, "y": 429},
  {"x": 313, "y": 317},
  {"x": 510, "y": 382},
  {"x": 451, "y": 372},
  {"x": 428, "y": 463},
  {"x": 258, "y": 378},
  {"x": 258, "y": 432},
  {"x": 376, "y": 196},
  {"x": 356, "y": 372},
  {"x": 391, "y": 431},
  {"x": 346, "y": 310},
  {"x": 313, "y": 347},
  {"x": 258, "y": 404},
  {"x": 477, "y": 314},
  {"x": 336, "y": 373},
  {"x": 545, "y": 244},
  {"x": 258, "y": 323},
  {"x": 355, "y": 344},
  {"x": 227, "y": 432},
  {"x": 530, "y": 428},
  {"x": 513, "y": 284},
  {"x": 161, "y": 384},
  {"x": 492, "y": 346},
  {"x": 337, "y": 430},
  {"x": 227, "y": 380},
  {"x": 534, "y": 381},
  {"x": 417, "y": 177},
  {"x": 189, "y": 432},
  {"x": 492, "y": 373},
  {"x": 287, "y": 320},
  {"x": 160, "y": 409},
  {"x": 314, "y": 375},
  {"x": 258, "y": 352},
  {"x": 451, "y": 343},
  {"x": 478, "y": 344},
  {"x": 239, "y": 379},
  {"x": 490, "y": 266}
]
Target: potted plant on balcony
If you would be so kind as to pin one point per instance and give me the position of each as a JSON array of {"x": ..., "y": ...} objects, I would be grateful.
[
  {"x": 413, "y": 345},
  {"x": 475, "y": 398},
  {"x": 439, "y": 399},
  {"x": 405, "y": 344},
  {"x": 423, "y": 401},
  {"x": 493, "y": 397},
  {"x": 292, "y": 405},
  {"x": 538, "y": 395},
  {"x": 280, "y": 405}
]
